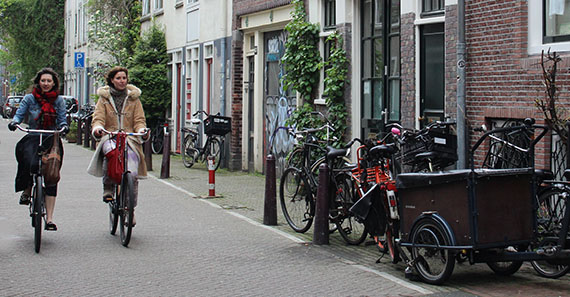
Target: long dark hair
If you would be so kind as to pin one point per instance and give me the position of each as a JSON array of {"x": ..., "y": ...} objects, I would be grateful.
[
  {"x": 54, "y": 76},
  {"x": 113, "y": 71}
]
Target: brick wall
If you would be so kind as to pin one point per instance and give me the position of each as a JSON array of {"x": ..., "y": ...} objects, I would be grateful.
[
  {"x": 451, "y": 61},
  {"x": 502, "y": 80},
  {"x": 408, "y": 65}
]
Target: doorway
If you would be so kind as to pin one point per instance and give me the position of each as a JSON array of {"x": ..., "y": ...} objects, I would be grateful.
[{"x": 432, "y": 80}]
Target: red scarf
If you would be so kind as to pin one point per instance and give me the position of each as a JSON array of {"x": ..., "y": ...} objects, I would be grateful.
[{"x": 47, "y": 116}]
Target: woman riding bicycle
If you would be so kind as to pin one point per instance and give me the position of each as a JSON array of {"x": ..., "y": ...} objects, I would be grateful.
[
  {"x": 45, "y": 110},
  {"x": 117, "y": 96}
]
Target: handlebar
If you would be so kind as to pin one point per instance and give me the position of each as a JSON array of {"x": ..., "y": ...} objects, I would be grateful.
[
  {"x": 199, "y": 112},
  {"x": 126, "y": 133},
  {"x": 28, "y": 130},
  {"x": 512, "y": 129}
]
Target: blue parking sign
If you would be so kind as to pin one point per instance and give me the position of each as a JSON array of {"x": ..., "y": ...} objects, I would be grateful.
[{"x": 79, "y": 60}]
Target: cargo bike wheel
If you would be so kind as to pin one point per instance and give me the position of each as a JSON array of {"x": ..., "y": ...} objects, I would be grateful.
[{"x": 433, "y": 263}]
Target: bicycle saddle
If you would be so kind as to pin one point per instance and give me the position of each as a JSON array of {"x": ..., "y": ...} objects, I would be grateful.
[
  {"x": 334, "y": 152},
  {"x": 383, "y": 150}
]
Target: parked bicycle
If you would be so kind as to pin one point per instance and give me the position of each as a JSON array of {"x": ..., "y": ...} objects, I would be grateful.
[
  {"x": 37, "y": 197},
  {"x": 215, "y": 127},
  {"x": 122, "y": 207},
  {"x": 509, "y": 148},
  {"x": 432, "y": 148},
  {"x": 299, "y": 185},
  {"x": 157, "y": 137}
]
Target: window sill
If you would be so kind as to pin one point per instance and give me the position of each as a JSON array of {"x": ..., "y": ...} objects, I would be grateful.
[
  {"x": 179, "y": 4},
  {"x": 158, "y": 12},
  {"x": 320, "y": 101},
  {"x": 145, "y": 18}
]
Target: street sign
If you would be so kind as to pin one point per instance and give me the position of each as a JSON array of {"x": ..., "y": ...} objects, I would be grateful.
[{"x": 79, "y": 60}]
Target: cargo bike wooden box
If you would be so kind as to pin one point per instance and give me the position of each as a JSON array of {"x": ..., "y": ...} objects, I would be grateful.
[{"x": 476, "y": 215}]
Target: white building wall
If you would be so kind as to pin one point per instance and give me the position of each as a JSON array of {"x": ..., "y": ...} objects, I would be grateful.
[{"x": 194, "y": 44}]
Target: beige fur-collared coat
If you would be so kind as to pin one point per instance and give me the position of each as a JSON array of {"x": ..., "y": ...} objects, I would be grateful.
[{"x": 131, "y": 119}]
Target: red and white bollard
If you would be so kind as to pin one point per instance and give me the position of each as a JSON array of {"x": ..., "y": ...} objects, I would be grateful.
[{"x": 212, "y": 176}]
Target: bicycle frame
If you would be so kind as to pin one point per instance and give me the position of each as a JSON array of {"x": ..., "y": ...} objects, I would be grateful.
[{"x": 37, "y": 205}]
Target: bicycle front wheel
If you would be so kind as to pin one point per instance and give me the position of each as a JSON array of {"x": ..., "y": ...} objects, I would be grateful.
[
  {"x": 296, "y": 200},
  {"x": 127, "y": 208},
  {"x": 215, "y": 150},
  {"x": 550, "y": 215},
  {"x": 190, "y": 152},
  {"x": 37, "y": 212}
]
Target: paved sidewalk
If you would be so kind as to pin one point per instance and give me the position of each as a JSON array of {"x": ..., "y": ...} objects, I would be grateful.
[{"x": 243, "y": 194}]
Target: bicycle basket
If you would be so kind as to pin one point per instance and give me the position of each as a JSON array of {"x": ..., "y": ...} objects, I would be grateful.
[
  {"x": 217, "y": 125},
  {"x": 440, "y": 141}
]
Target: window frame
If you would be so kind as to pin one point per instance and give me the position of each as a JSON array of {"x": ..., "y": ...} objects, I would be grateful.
[
  {"x": 439, "y": 11},
  {"x": 329, "y": 15},
  {"x": 546, "y": 38}
]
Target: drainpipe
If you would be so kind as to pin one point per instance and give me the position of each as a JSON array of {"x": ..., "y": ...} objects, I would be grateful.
[
  {"x": 223, "y": 82},
  {"x": 461, "y": 124}
]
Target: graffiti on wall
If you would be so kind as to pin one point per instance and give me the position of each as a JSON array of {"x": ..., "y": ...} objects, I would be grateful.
[{"x": 278, "y": 102}]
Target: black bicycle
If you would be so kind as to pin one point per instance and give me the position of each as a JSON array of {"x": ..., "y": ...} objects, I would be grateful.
[
  {"x": 215, "y": 127},
  {"x": 122, "y": 208},
  {"x": 157, "y": 137},
  {"x": 37, "y": 197}
]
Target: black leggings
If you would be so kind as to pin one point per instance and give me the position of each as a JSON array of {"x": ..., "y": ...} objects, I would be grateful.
[{"x": 27, "y": 157}]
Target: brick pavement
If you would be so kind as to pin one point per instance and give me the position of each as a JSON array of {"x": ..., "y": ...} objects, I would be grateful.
[{"x": 243, "y": 193}]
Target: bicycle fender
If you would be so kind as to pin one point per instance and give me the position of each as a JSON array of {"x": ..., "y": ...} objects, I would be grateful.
[{"x": 439, "y": 220}]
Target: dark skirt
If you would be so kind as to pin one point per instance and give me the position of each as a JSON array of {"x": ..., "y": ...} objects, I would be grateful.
[{"x": 27, "y": 155}]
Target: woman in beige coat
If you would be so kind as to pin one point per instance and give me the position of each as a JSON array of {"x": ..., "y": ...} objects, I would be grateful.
[{"x": 117, "y": 96}]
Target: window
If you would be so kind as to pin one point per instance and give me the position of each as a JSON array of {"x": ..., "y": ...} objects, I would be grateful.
[
  {"x": 146, "y": 7},
  {"x": 432, "y": 8},
  {"x": 191, "y": 1},
  {"x": 556, "y": 21},
  {"x": 330, "y": 14},
  {"x": 158, "y": 4}
]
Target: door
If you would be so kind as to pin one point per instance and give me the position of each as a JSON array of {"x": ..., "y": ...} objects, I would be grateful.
[
  {"x": 380, "y": 64},
  {"x": 178, "y": 106},
  {"x": 278, "y": 102},
  {"x": 250, "y": 117},
  {"x": 432, "y": 95}
]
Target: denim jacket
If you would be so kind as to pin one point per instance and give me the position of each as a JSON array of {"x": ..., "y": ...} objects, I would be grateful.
[{"x": 30, "y": 107}]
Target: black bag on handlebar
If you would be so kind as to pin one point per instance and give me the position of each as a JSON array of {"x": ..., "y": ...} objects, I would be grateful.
[{"x": 370, "y": 212}]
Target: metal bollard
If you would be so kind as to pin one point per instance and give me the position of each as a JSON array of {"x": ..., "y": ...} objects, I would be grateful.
[
  {"x": 79, "y": 132},
  {"x": 211, "y": 176},
  {"x": 270, "y": 202},
  {"x": 87, "y": 132},
  {"x": 321, "y": 228},
  {"x": 148, "y": 154},
  {"x": 165, "y": 168}
]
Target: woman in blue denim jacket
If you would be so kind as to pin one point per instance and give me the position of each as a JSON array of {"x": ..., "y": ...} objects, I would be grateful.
[{"x": 44, "y": 109}]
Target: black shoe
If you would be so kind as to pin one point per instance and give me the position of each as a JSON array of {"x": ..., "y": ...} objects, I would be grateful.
[
  {"x": 50, "y": 226},
  {"x": 25, "y": 199}
]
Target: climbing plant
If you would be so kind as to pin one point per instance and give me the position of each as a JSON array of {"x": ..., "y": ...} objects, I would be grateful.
[{"x": 302, "y": 58}]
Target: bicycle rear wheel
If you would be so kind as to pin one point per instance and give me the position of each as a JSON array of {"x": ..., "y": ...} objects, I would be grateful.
[
  {"x": 190, "y": 153},
  {"x": 126, "y": 208},
  {"x": 352, "y": 231},
  {"x": 215, "y": 150},
  {"x": 113, "y": 214},
  {"x": 296, "y": 200},
  {"x": 37, "y": 212}
]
